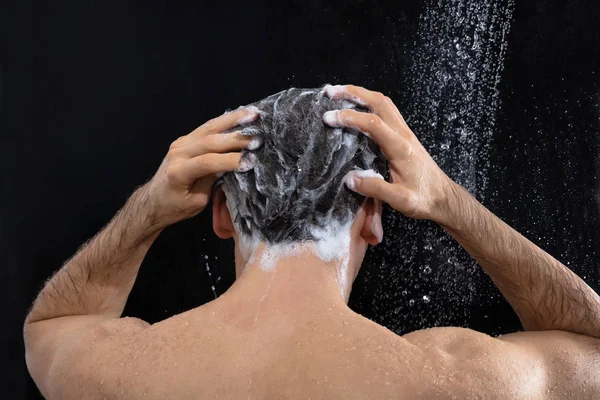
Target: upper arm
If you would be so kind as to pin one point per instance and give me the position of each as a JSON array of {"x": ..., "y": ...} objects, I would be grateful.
[
  {"x": 571, "y": 362},
  {"x": 54, "y": 347},
  {"x": 532, "y": 365}
]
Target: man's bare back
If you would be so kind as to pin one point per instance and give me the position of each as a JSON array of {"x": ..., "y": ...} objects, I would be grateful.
[
  {"x": 284, "y": 330},
  {"x": 220, "y": 351}
]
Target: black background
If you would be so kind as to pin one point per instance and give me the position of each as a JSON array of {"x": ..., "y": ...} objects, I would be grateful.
[{"x": 92, "y": 93}]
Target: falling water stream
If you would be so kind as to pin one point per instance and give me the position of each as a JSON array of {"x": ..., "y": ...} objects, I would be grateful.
[{"x": 454, "y": 70}]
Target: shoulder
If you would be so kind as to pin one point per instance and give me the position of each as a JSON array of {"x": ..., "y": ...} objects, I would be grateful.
[
  {"x": 469, "y": 363},
  {"x": 541, "y": 364}
]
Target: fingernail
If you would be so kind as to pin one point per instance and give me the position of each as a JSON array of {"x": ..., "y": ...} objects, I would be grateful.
[
  {"x": 333, "y": 90},
  {"x": 368, "y": 173},
  {"x": 352, "y": 180},
  {"x": 255, "y": 143},
  {"x": 247, "y": 163},
  {"x": 252, "y": 115},
  {"x": 220, "y": 174},
  {"x": 331, "y": 118}
]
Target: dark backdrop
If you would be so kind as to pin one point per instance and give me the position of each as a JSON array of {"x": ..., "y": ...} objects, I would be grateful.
[{"x": 92, "y": 93}]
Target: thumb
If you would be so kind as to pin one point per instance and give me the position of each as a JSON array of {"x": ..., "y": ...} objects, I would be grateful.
[{"x": 369, "y": 183}]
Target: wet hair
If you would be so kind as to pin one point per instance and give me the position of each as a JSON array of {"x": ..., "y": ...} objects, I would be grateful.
[{"x": 296, "y": 184}]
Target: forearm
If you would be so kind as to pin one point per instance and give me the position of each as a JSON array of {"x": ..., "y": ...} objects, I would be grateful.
[
  {"x": 544, "y": 293},
  {"x": 99, "y": 277}
]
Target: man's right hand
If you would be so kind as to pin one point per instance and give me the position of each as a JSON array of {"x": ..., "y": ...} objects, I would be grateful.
[
  {"x": 418, "y": 187},
  {"x": 181, "y": 187}
]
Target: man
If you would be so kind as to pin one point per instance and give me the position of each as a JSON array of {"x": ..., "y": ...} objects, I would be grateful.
[{"x": 302, "y": 201}]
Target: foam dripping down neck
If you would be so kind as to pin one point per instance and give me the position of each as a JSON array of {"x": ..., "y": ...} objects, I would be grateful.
[{"x": 331, "y": 245}]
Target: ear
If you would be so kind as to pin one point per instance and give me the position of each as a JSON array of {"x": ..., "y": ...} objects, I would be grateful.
[
  {"x": 372, "y": 230},
  {"x": 222, "y": 224}
]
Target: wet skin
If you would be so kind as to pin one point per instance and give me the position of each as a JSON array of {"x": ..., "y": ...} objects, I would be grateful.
[{"x": 287, "y": 332}]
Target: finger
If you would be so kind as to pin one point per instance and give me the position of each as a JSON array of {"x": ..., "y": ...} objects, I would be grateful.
[
  {"x": 220, "y": 143},
  {"x": 369, "y": 124},
  {"x": 228, "y": 121},
  {"x": 371, "y": 184},
  {"x": 375, "y": 101},
  {"x": 213, "y": 163}
]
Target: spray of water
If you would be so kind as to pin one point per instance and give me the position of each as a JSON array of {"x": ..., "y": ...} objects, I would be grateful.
[
  {"x": 454, "y": 71},
  {"x": 598, "y": 160}
]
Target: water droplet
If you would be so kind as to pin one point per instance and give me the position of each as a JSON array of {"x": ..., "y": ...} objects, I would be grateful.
[
  {"x": 426, "y": 299},
  {"x": 427, "y": 270},
  {"x": 411, "y": 302}
]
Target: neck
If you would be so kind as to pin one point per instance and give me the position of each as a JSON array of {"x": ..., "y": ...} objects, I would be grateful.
[{"x": 294, "y": 274}]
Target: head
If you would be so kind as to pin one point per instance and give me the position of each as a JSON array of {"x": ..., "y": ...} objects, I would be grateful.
[{"x": 294, "y": 196}]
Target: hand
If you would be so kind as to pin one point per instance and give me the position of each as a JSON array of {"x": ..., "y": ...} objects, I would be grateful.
[
  {"x": 181, "y": 187},
  {"x": 418, "y": 187}
]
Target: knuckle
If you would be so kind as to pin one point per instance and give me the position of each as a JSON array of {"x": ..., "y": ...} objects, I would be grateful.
[
  {"x": 209, "y": 125},
  {"x": 200, "y": 201},
  {"x": 210, "y": 141},
  {"x": 379, "y": 97},
  {"x": 173, "y": 154},
  {"x": 177, "y": 143},
  {"x": 404, "y": 146},
  {"x": 375, "y": 121},
  {"x": 400, "y": 199},
  {"x": 174, "y": 171},
  {"x": 201, "y": 159},
  {"x": 206, "y": 162},
  {"x": 377, "y": 185},
  {"x": 343, "y": 116}
]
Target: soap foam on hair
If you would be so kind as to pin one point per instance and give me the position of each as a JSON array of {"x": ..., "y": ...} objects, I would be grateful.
[{"x": 333, "y": 244}]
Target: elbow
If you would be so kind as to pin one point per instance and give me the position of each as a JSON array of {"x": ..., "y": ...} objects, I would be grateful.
[
  {"x": 31, "y": 340},
  {"x": 39, "y": 356},
  {"x": 27, "y": 333},
  {"x": 38, "y": 369}
]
